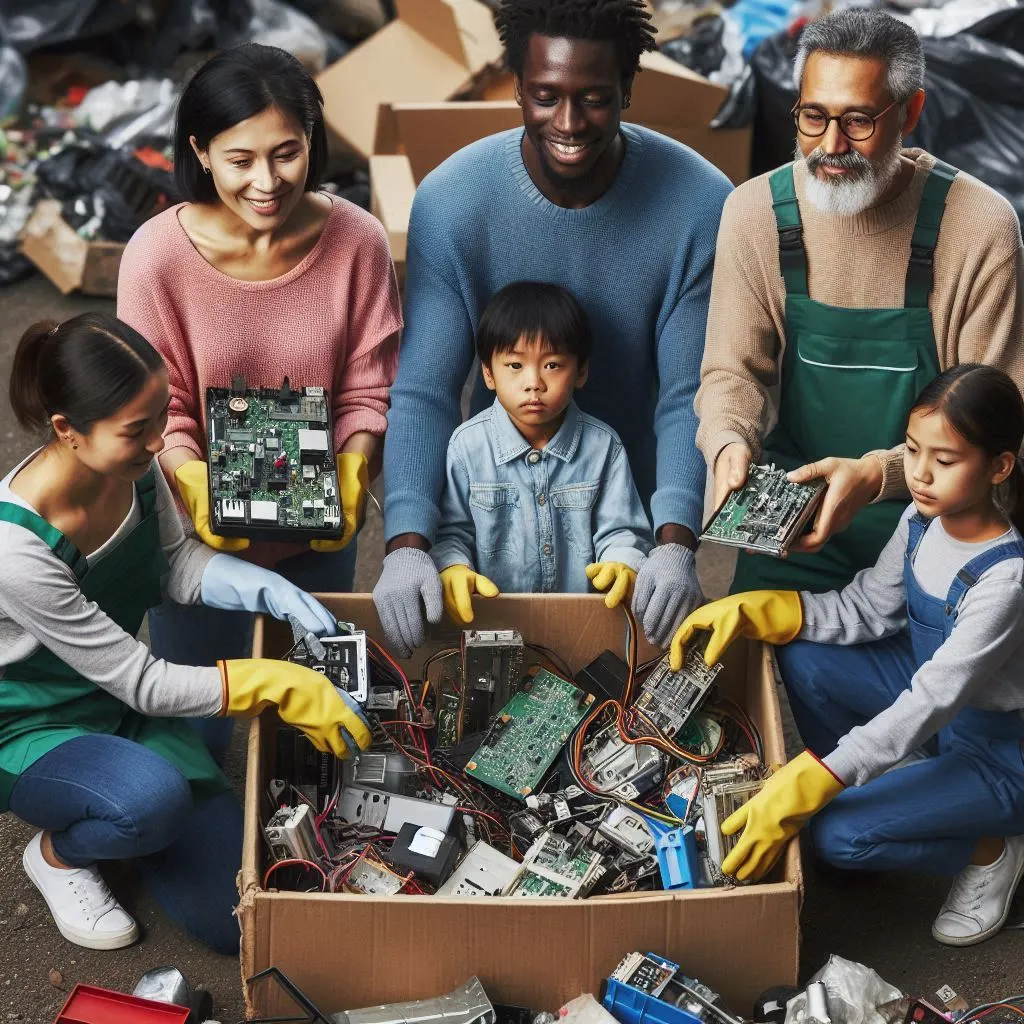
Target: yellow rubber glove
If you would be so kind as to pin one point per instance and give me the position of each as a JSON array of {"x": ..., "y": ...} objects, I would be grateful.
[
  {"x": 303, "y": 698},
  {"x": 194, "y": 487},
  {"x": 353, "y": 483},
  {"x": 615, "y": 575},
  {"x": 774, "y": 616},
  {"x": 795, "y": 793},
  {"x": 458, "y": 585}
]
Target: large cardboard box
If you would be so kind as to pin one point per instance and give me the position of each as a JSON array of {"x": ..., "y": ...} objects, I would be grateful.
[
  {"x": 348, "y": 951},
  {"x": 433, "y": 50}
]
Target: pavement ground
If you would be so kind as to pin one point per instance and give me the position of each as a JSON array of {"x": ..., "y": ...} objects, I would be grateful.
[{"x": 883, "y": 920}]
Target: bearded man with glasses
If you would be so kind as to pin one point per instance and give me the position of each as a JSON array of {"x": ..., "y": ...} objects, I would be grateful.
[{"x": 843, "y": 283}]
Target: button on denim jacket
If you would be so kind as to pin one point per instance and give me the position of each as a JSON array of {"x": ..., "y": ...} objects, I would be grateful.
[{"x": 531, "y": 519}]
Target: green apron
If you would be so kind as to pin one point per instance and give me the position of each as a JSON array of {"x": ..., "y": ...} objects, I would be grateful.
[
  {"x": 44, "y": 702},
  {"x": 849, "y": 377}
]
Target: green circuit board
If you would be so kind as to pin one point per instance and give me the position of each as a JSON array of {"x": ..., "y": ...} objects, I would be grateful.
[
  {"x": 765, "y": 515},
  {"x": 271, "y": 463},
  {"x": 526, "y": 737},
  {"x": 552, "y": 870}
]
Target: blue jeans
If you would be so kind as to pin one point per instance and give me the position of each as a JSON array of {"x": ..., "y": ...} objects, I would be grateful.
[
  {"x": 926, "y": 816},
  {"x": 107, "y": 798},
  {"x": 197, "y": 635}
]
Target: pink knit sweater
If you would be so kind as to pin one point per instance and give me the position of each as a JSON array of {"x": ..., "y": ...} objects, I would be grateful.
[
  {"x": 323, "y": 323},
  {"x": 331, "y": 321}
]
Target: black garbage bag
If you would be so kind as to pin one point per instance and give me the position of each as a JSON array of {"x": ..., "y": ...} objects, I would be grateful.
[
  {"x": 702, "y": 49},
  {"x": 973, "y": 116},
  {"x": 30, "y": 25}
]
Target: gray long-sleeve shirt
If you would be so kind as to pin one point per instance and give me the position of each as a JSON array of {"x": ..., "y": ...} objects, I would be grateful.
[
  {"x": 41, "y": 605},
  {"x": 978, "y": 665}
]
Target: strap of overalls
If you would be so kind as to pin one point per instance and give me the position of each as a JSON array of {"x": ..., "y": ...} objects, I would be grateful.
[
  {"x": 917, "y": 524},
  {"x": 792, "y": 254},
  {"x": 926, "y": 235},
  {"x": 972, "y": 572},
  {"x": 56, "y": 541},
  {"x": 49, "y": 535}
]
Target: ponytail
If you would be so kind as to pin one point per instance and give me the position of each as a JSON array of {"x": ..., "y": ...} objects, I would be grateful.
[
  {"x": 25, "y": 393},
  {"x": 85, "y": 369}
]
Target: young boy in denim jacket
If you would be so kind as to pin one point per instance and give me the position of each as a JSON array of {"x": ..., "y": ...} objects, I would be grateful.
[{"x": 539, "y": 497}]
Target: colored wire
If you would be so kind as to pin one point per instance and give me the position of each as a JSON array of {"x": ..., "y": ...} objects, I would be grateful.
[
  {"x": 293, "y": 861},
  {"x": 975, "y": 1013}
]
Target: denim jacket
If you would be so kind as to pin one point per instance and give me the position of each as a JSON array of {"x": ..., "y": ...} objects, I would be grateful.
[{"x": 532, "y": 519}]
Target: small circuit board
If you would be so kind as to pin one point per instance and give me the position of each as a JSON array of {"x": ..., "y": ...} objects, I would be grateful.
[
  {"x": 526, "y": 737},
  {"x": 271, "y": 463},
  {"x": 552, "y": 868},
  {"x": 725, "y": 788},
  {"x": 767, "y": 514},
  {"x": 669, "y": 699}
]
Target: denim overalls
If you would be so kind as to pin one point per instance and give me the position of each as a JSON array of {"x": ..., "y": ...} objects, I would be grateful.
[{"x": 926, "y": 816}]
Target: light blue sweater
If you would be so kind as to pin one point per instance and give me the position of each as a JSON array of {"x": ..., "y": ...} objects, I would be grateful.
[{"x": 639, "y": 261}]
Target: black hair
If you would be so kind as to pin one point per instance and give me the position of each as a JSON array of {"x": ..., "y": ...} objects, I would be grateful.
[
  {"x": 86, "y": 369},
  {"x": 534, "y": 310},
  {"x": 233, "y": 86},
  {"x": 982, "y": 404},
  {"x": 626, "y": 23}
]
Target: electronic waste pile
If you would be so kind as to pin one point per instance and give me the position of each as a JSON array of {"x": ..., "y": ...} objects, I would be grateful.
[{"x": 499, "y": 772}]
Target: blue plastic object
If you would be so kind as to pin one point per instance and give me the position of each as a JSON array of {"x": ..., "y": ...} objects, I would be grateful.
[
  {"x": 630, "y": 1005},
  {"x": 677, "y": 855}
]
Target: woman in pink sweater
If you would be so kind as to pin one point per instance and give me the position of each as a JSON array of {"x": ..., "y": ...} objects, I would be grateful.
[{"x": 261, "y": 275}]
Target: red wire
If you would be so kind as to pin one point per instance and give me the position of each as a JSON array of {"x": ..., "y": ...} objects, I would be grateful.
[{"x": 295, "y": 860}]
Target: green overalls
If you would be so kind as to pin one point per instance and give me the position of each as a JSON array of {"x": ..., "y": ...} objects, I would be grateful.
[
  {"x": 849, "y": 377},
  {"x": 44, "y": 702}
]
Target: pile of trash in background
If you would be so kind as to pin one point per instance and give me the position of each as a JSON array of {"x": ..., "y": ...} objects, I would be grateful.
[
  {"x": 643, "y": 987},
  {"x": 88, "y": 89}
]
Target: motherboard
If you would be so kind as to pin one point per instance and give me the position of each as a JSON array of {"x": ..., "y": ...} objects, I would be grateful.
[
  {"x": 271, "y": 463},
  {"x": 765, "y": 515},
  {"x": 668, "y": 699}
]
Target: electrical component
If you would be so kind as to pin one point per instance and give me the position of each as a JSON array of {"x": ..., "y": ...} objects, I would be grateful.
[
  {"x": 618, "y": 768},
  {"x": 484, "y": 871},
  {"x": 628, "y": 831},
  {"x": 767, "y": 514},
  {"x": 371, "y": 880},
  {"x": 344, "y": 662},
  {"x": 466, "y": 1005},
  {"x": 552, "y": 869},
  {"x": 390, "y": 811},
  {"x": 668, "y": 698},
  {"x": 524, "y": 740},
  {"x": 387, "y": 770},
  {"x": 258, "y": 440},
  {"x": 428, "y": 852},
  {"x": 725, "y": 788},
  {"x": 606, "y": 676},
  {"x": 291, "y": 835}
]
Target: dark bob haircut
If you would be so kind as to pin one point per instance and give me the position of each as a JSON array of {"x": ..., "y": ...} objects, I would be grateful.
[
  {"x": 534, "y": 310},
  {"x": 232, "y": 87}
]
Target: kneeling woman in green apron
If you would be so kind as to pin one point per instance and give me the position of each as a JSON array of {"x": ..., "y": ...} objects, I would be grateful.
[
  {"x": 93, "y": 746},
  {"x": 914, "y": 666}
]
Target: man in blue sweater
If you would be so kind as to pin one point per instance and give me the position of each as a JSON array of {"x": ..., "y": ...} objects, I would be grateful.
[{"x": 623, "y": 218}]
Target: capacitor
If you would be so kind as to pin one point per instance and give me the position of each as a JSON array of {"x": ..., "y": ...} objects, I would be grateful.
[{"x": 238, "y": 407}]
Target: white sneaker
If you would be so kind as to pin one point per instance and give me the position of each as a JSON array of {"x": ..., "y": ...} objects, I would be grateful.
[
  {"x": 83, "y": 908},
  {"x": 979, "y": 902}
]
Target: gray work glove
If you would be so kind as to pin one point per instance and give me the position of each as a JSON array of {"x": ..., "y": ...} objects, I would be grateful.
[
  {"x": 408, "y": 585},
  {"x": 666, "y": 591}
]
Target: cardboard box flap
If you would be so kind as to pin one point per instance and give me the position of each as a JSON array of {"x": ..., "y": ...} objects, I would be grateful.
[
  {"x": 392, "y": 190},
  {"x": 429, "y": 133},
  {"x": 463, "y": 29},
  {"x": 666, "y": 93},
  {"x": 49, "y": 242}
]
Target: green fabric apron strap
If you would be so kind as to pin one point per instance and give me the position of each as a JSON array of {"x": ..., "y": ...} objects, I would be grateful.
[
  {"x": 44, "y": 702},
  {"x": 849, "y": 378},
  {"x": 920, "y": 267}
]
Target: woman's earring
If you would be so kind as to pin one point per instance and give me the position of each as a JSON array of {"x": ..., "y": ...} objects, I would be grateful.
[{"x": 71, "y": 441}]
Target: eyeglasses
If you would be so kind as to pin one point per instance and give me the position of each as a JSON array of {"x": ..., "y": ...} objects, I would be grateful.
[{"x": 854, "y": 124}]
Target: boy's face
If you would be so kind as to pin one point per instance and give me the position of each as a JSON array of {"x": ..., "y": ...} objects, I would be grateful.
[{"x": 534, "y": 385}]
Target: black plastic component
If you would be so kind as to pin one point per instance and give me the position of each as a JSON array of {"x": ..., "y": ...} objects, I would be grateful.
[
  {"x": 434, "y": 870},
  {"x": 606, "y": 676}
]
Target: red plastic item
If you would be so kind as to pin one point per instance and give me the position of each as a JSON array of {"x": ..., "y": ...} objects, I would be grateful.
[{"x": 88, "y": 1004}]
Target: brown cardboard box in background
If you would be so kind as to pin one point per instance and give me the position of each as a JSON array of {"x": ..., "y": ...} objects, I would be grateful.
[
  {"x": 67, "y": 259},
  {"x": 391, "y": 194},
  {"x": 433, "y": 50},
  {"x": 348, "y": 951}
]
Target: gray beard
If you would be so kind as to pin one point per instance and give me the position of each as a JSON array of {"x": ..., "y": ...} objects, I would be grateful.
[{"x": 845, "y": 197}]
